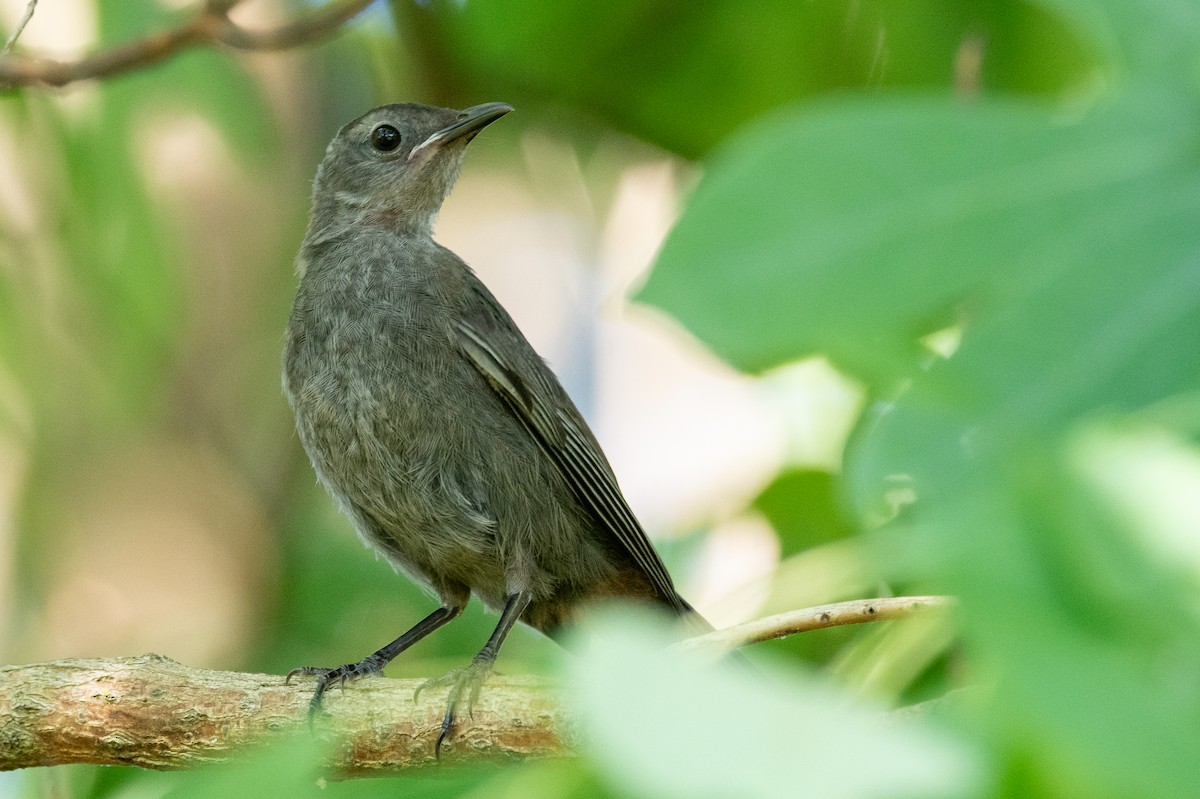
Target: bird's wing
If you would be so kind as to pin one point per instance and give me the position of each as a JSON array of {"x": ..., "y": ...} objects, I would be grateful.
[{"x": 534, "y": 396}]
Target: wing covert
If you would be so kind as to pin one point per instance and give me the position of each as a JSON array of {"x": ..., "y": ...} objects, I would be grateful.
[{"x": 573, "y": 450}]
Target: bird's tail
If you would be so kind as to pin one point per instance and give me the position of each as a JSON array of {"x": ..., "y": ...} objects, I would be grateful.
[{"x": 695, "y": 624}]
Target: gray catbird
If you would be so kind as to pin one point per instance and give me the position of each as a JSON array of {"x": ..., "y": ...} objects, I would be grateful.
[{"x": 431, "y": 420}]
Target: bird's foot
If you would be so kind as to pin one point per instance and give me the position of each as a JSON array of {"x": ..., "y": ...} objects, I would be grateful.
[
  {"x": 466, "y": 681},
  {"x": 333, "y": 677}
]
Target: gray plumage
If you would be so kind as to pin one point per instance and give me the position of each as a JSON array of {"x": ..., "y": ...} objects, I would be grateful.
[{"x": 427, "y": 415}]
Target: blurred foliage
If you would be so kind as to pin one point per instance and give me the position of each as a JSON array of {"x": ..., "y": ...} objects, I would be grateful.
[
  {"x": 804, "y": 507},
  {"x": 729, "y": 732},
  {"x": 1018, "y": 181},
  {"x": 686, "y": 78},
  {"x": 1061, "y": 241}
]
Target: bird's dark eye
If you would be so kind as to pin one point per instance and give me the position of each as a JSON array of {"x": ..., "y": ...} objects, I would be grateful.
[{"x": 385, "y": 138}]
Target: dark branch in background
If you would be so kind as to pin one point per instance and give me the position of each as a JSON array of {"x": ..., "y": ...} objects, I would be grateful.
[
  {"x": 155, "y": 713},
  {"x": 211, "y": 26}
]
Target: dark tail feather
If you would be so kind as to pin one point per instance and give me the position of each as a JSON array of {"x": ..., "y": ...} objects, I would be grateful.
[
  {"x": 698, "y": 625},
  {"x": 692, "y": 620}
]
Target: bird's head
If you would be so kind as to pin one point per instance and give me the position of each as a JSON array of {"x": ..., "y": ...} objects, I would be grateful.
[{"x": 395, "y": 164}]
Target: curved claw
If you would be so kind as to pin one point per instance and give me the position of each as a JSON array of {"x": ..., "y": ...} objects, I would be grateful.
[
  {"x": 326, "y": 677},
  {"x": 303, "y": 671},
  {"x": 449, "y": 678},
  {"x": 471, "y": 680},
  {"x": 473, "y": 697},
  {"x": 444, "y": 733}
]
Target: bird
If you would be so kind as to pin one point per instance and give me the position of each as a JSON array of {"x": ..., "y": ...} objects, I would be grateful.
[{"x": 431, "y": 420}]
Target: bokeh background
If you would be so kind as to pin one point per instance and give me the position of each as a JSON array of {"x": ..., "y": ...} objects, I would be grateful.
[{"x": 958, "y": 235}]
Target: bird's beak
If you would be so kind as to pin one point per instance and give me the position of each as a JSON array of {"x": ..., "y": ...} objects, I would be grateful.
[{"x": 469, "y": 122}]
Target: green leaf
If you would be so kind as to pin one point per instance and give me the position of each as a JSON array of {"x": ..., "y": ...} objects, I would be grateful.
[
  {"x": 805, "y": 508},
  {"x": 685, "y": 76},
  {"x": 1063, "y": 246},
  {"x": 855, "y": 227},
  {"x": 295, "y": 768},
  {"x": 1086, "y": 640},
  {"x": 662, "y": 724},
  {"x": 1145, "y": 36}
]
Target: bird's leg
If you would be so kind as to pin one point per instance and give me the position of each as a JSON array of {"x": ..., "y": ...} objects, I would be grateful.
[
  {"x": 470, "y": 679},
  {"x": 373, "y": 663}
]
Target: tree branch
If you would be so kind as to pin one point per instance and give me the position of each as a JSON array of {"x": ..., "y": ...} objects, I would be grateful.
[
  {"x": 211, "y": 25},
  {"x": 155, "y": 713},
  {"x": 858, "y": 611}
]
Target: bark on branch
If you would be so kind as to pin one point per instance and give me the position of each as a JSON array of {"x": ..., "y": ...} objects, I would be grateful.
[
  {"x": 209, "y": 26},
  {"x": 155, "y": 713}
]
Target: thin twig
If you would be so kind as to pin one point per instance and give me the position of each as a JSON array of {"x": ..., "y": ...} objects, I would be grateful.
[
  {"x": 211, "y": 25},
  {"x": 17, "y": 31},
  {"x": 296, "y": 33},
  {"x": 858, "y": 611}
]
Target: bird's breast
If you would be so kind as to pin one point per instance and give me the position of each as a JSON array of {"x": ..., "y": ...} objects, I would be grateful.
[
  {"x": 378, "y": 397},
  {"x": 368, "y": 367}
]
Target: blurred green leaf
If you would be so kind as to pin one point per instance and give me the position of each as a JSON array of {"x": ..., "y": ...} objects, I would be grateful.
[
  {"x": 1065, "y": 247},
  {"x": 661, "y": 724},
  {"x": 685, "y": 76},
  {"x": 292, "y": 768},
  {"x": 1086, "y": 631},
  {"x": 289, "y": 768},
  {"x": 1144, "y": 36},
  {"x": 804, "y": 507},
  {"x": 854, "y": 227}
]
